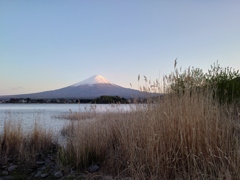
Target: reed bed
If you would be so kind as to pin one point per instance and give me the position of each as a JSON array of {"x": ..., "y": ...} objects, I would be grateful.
[
  {"x": 76, "y": 116},
  {"x": 185, "y": 134},
  {"x": 88, "y": 113},
  {"x": 22, "y": 147},
  {"x": 179, "y": 137}
]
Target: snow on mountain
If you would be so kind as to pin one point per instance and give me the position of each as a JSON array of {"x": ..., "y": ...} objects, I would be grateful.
[
  {"x": 90, "y": 88},
  {"x": 96, "y": 79}
]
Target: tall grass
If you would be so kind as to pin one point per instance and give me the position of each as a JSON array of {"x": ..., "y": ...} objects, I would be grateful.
[
  {"x": 183, "y": 135},
  {"x": 21, "y": 146}
]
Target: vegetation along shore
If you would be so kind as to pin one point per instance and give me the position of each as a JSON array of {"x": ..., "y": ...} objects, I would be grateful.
[
  {"x": 99, "y": 100},
  {"x": 191, "y": 132}
]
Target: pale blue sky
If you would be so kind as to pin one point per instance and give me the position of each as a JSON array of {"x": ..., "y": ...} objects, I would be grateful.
[{"x": 46, "y": 45}]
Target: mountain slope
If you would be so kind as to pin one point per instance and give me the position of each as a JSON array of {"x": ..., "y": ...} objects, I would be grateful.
[{"x": 90, "y": 88}]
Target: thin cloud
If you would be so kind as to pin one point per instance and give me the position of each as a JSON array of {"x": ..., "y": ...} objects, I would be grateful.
[{"x": 18, "y": 88}]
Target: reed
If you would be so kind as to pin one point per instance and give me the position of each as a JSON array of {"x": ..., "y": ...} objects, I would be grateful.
[
  {"x": 21, "y": 146},
  {"x": 186, "y": 134}
]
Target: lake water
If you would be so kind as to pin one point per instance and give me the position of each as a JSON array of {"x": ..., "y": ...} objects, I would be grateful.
[{"x": 43, "y": 114}]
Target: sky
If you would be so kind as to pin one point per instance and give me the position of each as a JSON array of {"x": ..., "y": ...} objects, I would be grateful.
[{"x": 47, "y": 45}]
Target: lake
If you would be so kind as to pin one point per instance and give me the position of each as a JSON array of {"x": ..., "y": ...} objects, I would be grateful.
[{"x": 43, "y": 114}]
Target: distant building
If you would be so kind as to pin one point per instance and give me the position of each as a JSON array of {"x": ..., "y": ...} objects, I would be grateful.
[
  {"x": 22, "y": 101},
  {"x": 48, "y": 101}
]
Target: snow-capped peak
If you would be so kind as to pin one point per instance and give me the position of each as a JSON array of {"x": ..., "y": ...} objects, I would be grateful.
[{"x": 97, "y": 79}]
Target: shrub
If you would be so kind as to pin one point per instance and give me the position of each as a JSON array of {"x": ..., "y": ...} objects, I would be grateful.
[{"x": 224, "y": 83}]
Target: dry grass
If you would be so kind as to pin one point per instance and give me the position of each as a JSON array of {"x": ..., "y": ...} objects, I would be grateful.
[
  {"x": 23, "y": 147},
  {"x": 90, "y": 113},
  {"x": 181, "y": 136},
  {"x": 77, "y": 116}
]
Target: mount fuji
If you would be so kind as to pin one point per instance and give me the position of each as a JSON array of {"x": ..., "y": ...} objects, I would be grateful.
[{"x": 90, "y": 88}]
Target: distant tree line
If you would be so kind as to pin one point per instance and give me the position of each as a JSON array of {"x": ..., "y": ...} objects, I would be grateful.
[
  {"x": 99, "y": 100},
  {"x": 109, "y": 100},
  {"x": 60, "y": 100}
]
